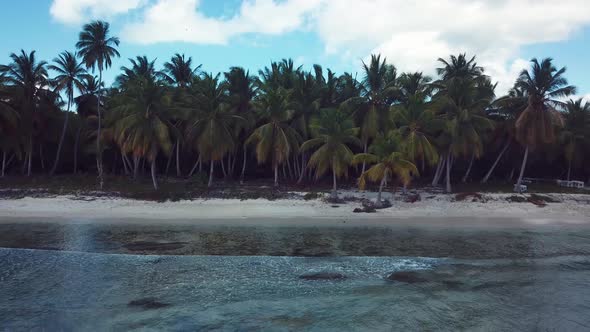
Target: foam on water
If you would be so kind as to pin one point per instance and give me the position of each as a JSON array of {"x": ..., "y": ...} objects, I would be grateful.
[{"x": 58, "y": 290}]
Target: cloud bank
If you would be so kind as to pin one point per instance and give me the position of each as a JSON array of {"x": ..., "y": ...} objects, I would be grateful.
[{"x": 411, "y": 34}]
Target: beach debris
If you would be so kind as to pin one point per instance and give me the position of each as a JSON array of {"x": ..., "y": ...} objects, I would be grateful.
[
  {"x": 545, "y": 198},
  {"x": 409, "y": 277},
  {"x": 312, "y": 196},
  {"x": 412, "y": 198},
  {"x": 516, "y": 199},
  {"x": 323, "y": 276},
  {"x": 475, "y": 197},
  {"x": 148, "y": 303}
]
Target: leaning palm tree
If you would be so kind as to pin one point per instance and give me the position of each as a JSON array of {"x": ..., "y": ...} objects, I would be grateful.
[
  {"x": 69, "y": 78},
  {"x": 26, "y": 78},
  {"x": 332, "y": 133},
  {"x": 142, "y": 120},
  {"x": 575, "y": 135},
  {"x": 275, "y": 139},
  {"x": 387, "y": 162},
  {"x": 97, "y": 50},
  {"x": 544, "y": 84}
]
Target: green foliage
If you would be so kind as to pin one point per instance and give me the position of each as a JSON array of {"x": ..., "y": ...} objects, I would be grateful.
[{"x": 296, "y": 120}]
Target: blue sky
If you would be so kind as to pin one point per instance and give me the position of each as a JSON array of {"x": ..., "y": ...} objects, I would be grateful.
[{"x": 334, "y": 33}]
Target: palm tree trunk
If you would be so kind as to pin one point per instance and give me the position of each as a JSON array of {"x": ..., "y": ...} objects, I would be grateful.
[
  {"x": 125, "y": 166},
  {"x": 30, "y": 161},
  {"x": 504, "y": 149},
  {"x": 302, "y": 175},
  {"x": 223, "y": 169},
  {"x": 25, "y": 162},
  {"x": 364, "y": 163},
  {"x": 522, "y": 167},
  {"x": 243, "y": 166},
  {"x": 3, "y": 163},
  {"x": 200, "y": 164},
  {"x": 61, "y": 139},
  {"x": 468, "y": 169},
  {"x": 289, "y": 168},
  {"x": 169, "y": 162},
  {"x": 334, "y": 188},
  {"x": 178, "y": 171},
  {"x": 98, "y": 134},
  {"x": 440, "y": 170},
  {"x": 569, "y": 170},
  {"x": 197, "y": 163},
  {"x": 135, "y": 167},
  {"x": 153, "y": 171},
  {"x": 448, "y": 188},
  {"x": 211, "y": 165},
  {"x": 41, "y": 157},
  {"x": 76, "y": 142},
  {"x": 276, "y": 175},
  {"x": 378, "y": 202}
]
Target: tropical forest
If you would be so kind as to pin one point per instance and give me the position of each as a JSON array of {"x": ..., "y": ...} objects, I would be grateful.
[{"x": 284, "y": 125}]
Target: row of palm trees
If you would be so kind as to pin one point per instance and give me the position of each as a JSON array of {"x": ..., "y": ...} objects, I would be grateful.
[{"x": 385, "y": 127}]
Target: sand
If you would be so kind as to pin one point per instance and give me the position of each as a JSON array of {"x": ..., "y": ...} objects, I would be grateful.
[{"x": 571, "y": 209}]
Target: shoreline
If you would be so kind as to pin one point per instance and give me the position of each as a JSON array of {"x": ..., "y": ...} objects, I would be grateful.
[{"x": 572, "y": 209}]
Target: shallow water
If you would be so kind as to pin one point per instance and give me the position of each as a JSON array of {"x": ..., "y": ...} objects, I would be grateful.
[{"x": 57, "y": 290}]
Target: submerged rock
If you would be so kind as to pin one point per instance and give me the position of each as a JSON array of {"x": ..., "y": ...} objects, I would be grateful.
[
  {"x": 323, "y": 276},
  {"x": 147, "y": 303},
  {"x": 409, "y": 277}
]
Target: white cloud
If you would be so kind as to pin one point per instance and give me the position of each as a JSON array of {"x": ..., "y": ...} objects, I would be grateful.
[
  {"x": 411, "y": 34},
  {"x": 79, "y": 11},
  {"x": 181, "y": 20}
]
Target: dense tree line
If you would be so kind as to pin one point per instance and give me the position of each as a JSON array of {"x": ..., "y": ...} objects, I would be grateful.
[{"x": 295, "y": 125}]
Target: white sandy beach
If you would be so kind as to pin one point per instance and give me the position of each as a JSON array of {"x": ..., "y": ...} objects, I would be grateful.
[{"x": 573, "y": 208}]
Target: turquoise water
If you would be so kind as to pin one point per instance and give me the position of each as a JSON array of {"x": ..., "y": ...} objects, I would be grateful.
[{"x": 76, "y": 291}]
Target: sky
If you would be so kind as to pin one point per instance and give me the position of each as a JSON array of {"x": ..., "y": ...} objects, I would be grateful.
[{"x": 338, "y": 34}]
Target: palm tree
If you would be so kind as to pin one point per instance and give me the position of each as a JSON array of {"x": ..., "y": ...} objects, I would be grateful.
[
  {"x": 576, "y": 133},
  {"x": 504, "y": 112},
  {"x": 463, "y": 95},
  {"x": 142, "y": 121},
  {"x": 306, "y": 100},
  {"x": 141, "y": 67},
  {"x": 68, "y": 79},
  {"x": 241, "y": 91},
  {"x": 86, "y": 104},
  {"x": 9, "y": 122},
  {"x": 97, "y": 50},
  {"x": 275, "y": 139},
  {"x": 179, "y": 71},
  {"x": 26, "y": 78},
  {"x": 378, "y": 90},
  {"x": 544, "y": 84},
  {"x": 387, "y": 161},
  {"x": 212, "y": 126},
  {"x": 416, "y": 122},
  {"x": 332, "y": 133}
]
